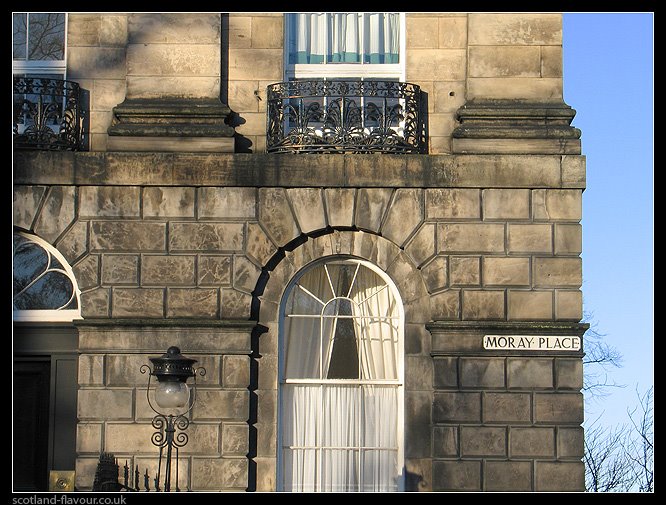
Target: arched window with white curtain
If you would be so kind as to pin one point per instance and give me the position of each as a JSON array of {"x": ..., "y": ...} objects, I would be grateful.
[{"x": 341, "y": 373}]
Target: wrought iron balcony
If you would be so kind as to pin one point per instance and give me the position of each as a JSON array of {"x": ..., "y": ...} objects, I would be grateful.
[
  {"x": 317, "y": 116},
  {"x": 47, "y": 114}
]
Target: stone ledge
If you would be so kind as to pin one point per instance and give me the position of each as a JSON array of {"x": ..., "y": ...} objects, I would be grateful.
[{"x": 291, "y": 170}]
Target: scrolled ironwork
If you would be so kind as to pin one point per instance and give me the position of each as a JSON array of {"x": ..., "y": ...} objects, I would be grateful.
[
  {"x": 47, "y": 114},
  {"x": 358, "y": 116}
]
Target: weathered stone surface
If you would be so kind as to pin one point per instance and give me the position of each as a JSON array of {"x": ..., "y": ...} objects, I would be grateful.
[
  {"x": 120, "y": 269},
  {"x": 96, "y": 63},
  {"x": 456, "y": 475},
  {"x": 267, "y": 32},
  {"x": 506, "y": 271},
  {"x": 506, "y": 203},
  {"x": 160, "y": 270},
  {"x": 371, "y": 204},
  {"x": 435, "y": 274},
  {"x": 507, "y": 61},
  {"x": 558, "y": 272},
  {"x": 530, "y": 373},
  {"x": 445, "y": 373},
  {"x": 127, "y": 236},
  {"x": 507, "y": 407},
  {"x": 88, "y": 437},
  {"x": 482, "y": 372},
  {"x": 218, "y": 405},
  {"x": 551, "y": 61},
  {"x": 422, "y": 32},
  {"x": 245, "y": 275},
  {"x": 568, "y": 239},
  {"x": 57, "y": 213},
  {"x": 223, "y": 203},
  {"x": 375, "y": 249},
  {"x": 557, "y": 204},
  {"x": 266, "y": 474},
  {"x": 259, "y": 247},
  {"x": 219, "y": 474},
  {"x": 417, "y": 339},
  {"x": 235, "y": 304},
  {"x": 113, "y": 30},
  {"x": 456, "y": 407},
  {"x": 235, "y": 439},
  {"x": 86, "y": 272},
  {"x": 560, "y": 476},
  {"x": 255, "y": 64},
  {"x": 85, "y": 472},
  {"x": 446, "y": 305},
  {"x": 308, "y": 206},
  {"x": 138, "y": 302},
  {"x": 436, "y": 64},
  {"x": 404, "y": 215},
  {"x": 197, "y": 302},
  {"x": 168, "y": 86},
  {"x": 74, "y": 243},
  {"x": 266, "y": 439},
  {"x": 453, "y": 203},
  {"x": 482, "y": 304},
  {"x": 546, "y": 89},
  {"x": 464, "y": 270},
  {"x": 569, "y": 373},
  {"x": 558, "y": 408},
  {"x": 91, "y": 370},
  {"x": 529, "y": 305},
  {"x": 173, "y": 59},
  {"x": 125, "y": 370},
  {"x": 422, "y": 246},
  {"x": 174, "y": 28},
  {"x": 532, "y": 442},
  {"x": 95, "y": 303},
  {"x": 418, "y": 420},
  {"x": 445, "y": 441},
  {"x": 104, "y": 404},
  {"x": 470, "y": 238},
  {"x": 26, "y": 203},
  {"x": 276, "y": 217},
  {"x": 84, "y": 29},
  {"x": 507, "y": 476},
  {"x": 568, "y": 305},
  {"x": 418, "y": 373},
  {"x": 340, "y": 206},
  {"x": 168, "y": 202},
  {"x": 214, "y": 270},
  {"x": 235, "y": 371},
  {"x": 206, "y": 237},
  {"x": 573, "y": 171},
  {"x": 529, "y": 238},
  {"x": 452, "y": 32},
  {"x": 132, "y": 438},
  {"x": 514, "y": 29},
  {"x": 482, "y": 441},
  {"x": 570, "y": 443}
]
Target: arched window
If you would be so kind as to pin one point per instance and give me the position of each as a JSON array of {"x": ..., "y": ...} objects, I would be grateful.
[
  {"x": 44, "y": 285},
  {"x": 341, "y": 372}
]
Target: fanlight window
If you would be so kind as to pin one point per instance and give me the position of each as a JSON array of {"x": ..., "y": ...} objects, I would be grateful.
[
  {"x": 44, "y": 284},
  {"x": 341, "y": 380}
]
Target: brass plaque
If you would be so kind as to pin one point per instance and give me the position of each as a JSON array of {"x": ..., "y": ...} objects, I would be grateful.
[{"x": 61, "y": 480}]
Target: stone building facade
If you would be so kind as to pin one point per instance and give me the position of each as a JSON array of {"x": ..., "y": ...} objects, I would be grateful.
[{"x": 180, "y": 229}]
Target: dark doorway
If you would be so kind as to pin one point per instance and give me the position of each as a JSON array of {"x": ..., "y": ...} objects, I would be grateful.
[{"x": 31, "y": 424}]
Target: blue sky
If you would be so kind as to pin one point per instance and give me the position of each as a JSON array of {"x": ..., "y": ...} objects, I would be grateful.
[{"x": 608, "y": 80}]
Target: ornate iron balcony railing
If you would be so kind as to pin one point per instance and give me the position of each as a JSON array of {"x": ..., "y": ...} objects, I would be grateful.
[
  {"x": 47, "y": 114},
  {"x": 317, "y": 116}
]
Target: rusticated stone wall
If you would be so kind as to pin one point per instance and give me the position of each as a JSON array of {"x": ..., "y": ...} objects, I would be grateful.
[{"x": 195, "y": 249}]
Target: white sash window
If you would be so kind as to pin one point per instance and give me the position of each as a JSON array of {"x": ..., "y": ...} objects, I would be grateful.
[{"x": 341, "y": 381}]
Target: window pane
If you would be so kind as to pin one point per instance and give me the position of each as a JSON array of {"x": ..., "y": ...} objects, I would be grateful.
[
  {"x": 19, "y": 24},
  {"x": 382, "y": 38},
  {"x": 46, "y": 36},
  {"x": 344, "y": 38}
]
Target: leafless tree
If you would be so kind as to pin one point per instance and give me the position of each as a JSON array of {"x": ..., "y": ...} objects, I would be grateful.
[
  {"x": 600, "y": 358},
  {"x": 621, "y": 458}
]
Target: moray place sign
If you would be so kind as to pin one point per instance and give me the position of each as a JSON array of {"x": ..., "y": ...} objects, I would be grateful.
[{"x": 531, "y": 343}]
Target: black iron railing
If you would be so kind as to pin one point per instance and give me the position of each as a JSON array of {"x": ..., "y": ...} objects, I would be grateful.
[
  {"x": 317, "y": 116},
  {"x": 47, "y": 114}
]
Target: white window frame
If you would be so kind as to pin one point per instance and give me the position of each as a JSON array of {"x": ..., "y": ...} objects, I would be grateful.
[
  {"x": 51, "y": 315},
  {"x": 41, "y": 67},
  {"x": 345, "y": 70},
  {"x": 399, "y": 382}
]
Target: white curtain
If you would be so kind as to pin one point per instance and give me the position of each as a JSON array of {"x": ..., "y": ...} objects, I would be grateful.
[
  {"x": 344, "y": 37},
  {"x": 340, "y": 436}
]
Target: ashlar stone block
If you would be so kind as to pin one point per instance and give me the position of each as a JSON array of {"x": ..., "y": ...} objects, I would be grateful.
[
  {"x": 57, "y": 213},
  {"x": 127, "y": 236},
  {"x": 86, "y": 272},
  {"x": 276, "y": 217},
  {"x": 104, "y": 404},
  {"x": 120, "y": 269},
  {"x": 74, "y": 243},
  {"x": 404, "y": 215},
  {"x": 568, "y": 305},
  {"x": 504, "y": 476},
  {"x": 472, "y": 238},
  {"x": 560, "y": 476},
  {"x": 138, "y": 302},
  {"x": 530, "y": 373},
  {"x": 206, "y": 237},
  {"x": 26, "y": 203},
  {"x": 210, "y": 474},
  {"x": 558, "y": 272},
  {"x": 480, "y": 372},
  {"x": 168, "y": 202},
  {"x": 214, "y": 270},
  {"x": 506, "y": 203},
  {"x": 529, "y": 305},
  {"x": 258, "y": 246},
  {"x": 456, "y": 475},
  {"x": 435, "y": 274},
  {"x": 452, "y": 203},
  {"x": 506, "y": 271},
  {"x": 340, "y": 206},
  {"x": 227, "y": 203},
  {"x": 530, "y": 238},
  {"x": 196, "y": 302},
  {"x": 557, "y": 204},
  {"x": 507, "y": 407},
  {"x": 568, "y": 239},
  {"x": 563, "y": 408},
  {"x": 451, "y": 407},
  {"x": 482, "y": 304},
  {"x": 308, "y": 205},
  {"x": 482, "y": 441},
  {"x": 532, "y": 442},
  {"x": 371, "y": 204}
]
